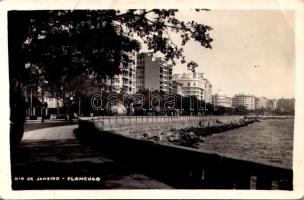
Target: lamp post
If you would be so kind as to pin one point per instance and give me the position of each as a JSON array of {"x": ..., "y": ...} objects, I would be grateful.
[
  {"x": 70, "y": 110},
  {"x": 44, "y": 82},
  {"x": 79, "y": 106}
]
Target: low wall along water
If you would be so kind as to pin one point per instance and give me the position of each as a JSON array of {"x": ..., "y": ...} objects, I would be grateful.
[
  {"x": 180, "y": 166},
  {"x": 141, "y": 124}
]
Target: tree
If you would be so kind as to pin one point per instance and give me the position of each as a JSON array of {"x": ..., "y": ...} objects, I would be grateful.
[
  {"x": 75, "y": 41},
  {"x": 241, "y": 110},
  {"x": 65, "y": 44}
]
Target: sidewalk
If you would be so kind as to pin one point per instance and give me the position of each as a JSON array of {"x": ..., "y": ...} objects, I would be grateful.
[
  {"x": 55, "y": 152},
  {"x": 30, "y": 125},
  {"x": 38, "y": 120}
]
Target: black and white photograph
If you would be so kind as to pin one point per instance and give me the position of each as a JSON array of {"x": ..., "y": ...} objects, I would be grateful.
[{"x": 166, "y": 99}]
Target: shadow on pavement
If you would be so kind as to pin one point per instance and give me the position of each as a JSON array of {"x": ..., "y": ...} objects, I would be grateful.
[
  {"x": 142, "y": 156},
  {"x": 40, "y": 125},
  {"x": 64, "y": 164}
]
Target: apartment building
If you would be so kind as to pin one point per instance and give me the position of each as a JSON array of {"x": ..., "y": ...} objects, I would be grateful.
[
  {"x": 177, "y": 88},
  {"x": 220, "y": 99},
  {"x": 247, "y": 101},
  {"x": 261, "y": 102},
  {"x": 153, "y": 73},
  {"x": 272, "y": 104},
  {"x": 208, "y": 91},
  {"x": 125, "y": 82},
  {"x": 195, "y": 84}
]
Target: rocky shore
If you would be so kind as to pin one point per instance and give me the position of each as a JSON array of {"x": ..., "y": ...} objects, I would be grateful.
[{"x": 191, "y": 137}]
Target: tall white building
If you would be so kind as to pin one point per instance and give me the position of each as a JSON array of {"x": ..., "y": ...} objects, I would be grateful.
[
  {"x": 208, "y": 91},
  {"x": 192, "y": 84},
  {"x": 125, "y": 82},
  {"x": 220, "y": 99},
  {"x": 195, "y": 84},
  {"x": 247, "y": 101},
  {"x": 153, "y": 73}
]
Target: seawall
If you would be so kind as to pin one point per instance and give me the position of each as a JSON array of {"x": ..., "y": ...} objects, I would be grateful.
[
  {"x": 184, "y": 167},
  {"x": 156, "y": 125}
]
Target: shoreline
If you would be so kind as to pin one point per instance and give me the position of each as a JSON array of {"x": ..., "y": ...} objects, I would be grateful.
[
  {"x": 263, "y": 117},
  {"x": 192, "y": 137}
]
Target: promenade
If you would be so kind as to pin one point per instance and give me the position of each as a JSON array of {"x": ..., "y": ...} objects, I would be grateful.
[
  {"x": 56, "y": 152},
  {"x": 72, "y": 157}
]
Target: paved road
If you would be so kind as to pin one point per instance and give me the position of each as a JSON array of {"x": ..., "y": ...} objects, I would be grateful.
[
  {"x": 56, "y": 152},
  {"x": 37, "y": 124},
  {"x": 52, "y": 133}
]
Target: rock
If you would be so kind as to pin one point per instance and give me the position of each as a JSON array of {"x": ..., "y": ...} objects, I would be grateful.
[
  {"x": 189, "y": 139},
  {"x": 218, "y": 122},
  {"x": 170, "y": 139},
  {"x": 155, "y": 138},
  {"x": 163, "y": 133},
  {"x": 146, "y": 134}
]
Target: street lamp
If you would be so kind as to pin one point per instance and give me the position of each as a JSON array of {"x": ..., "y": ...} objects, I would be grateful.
[
  {"x": 44, "y": 82},
  {"x": 70, "y": 110}
]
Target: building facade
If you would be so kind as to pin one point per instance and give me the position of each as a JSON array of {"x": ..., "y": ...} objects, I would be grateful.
[
  {"x": 243, "y": 100},
  {"x": 261, "y": 103},
  {"x": 177, "y": 88},
  {"x": 208, "y": 91},
  {"x": 219, "y": 99},
  {"x": 193, "y": 84},
  {"x": 125, "y": 82},
  {"x": 153, "y": 73},
  {"x": 272, "y": 104}
]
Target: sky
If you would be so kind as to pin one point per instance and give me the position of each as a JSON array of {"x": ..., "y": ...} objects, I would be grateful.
[{"x": 253, "y": 51}]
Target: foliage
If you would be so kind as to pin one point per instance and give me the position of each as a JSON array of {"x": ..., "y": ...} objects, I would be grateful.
[{"x": 66, "y": 44}]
